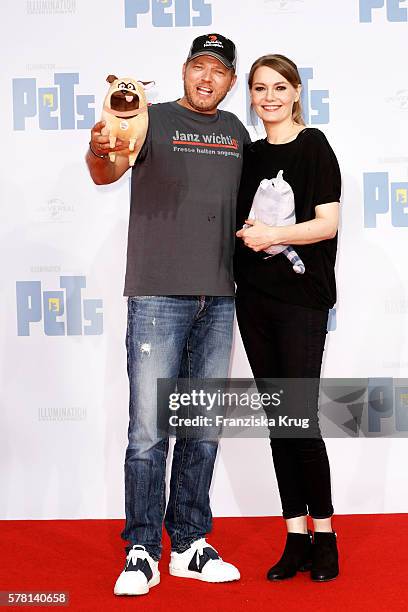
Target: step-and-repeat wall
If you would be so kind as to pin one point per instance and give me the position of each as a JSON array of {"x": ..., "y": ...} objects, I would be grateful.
[{"x": 63, "y": 240}]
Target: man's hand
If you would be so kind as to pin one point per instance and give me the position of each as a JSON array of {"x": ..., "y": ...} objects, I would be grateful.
[
  {"x": 102, "y": 170},
  {"x": 100, "y": 142}
]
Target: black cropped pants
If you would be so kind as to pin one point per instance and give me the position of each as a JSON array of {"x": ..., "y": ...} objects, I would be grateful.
[{"x": 287, "y": 341}]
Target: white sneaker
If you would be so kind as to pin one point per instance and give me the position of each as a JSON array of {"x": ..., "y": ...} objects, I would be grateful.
[
  {"x": 202, "y": 562},
  {"x": 141, "y": 572}
]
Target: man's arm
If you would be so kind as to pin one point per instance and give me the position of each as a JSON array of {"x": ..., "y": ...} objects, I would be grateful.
[{"x": 101, "y": 169}]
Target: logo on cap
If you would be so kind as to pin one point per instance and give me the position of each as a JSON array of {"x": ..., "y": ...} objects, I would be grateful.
[{"x": 212, "y": 37}]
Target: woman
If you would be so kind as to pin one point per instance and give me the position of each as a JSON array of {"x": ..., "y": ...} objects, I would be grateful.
[{"x": 282, "y": 314}]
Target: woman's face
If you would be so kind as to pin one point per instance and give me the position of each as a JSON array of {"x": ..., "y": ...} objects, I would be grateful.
[{"x": 272, "y": 96}]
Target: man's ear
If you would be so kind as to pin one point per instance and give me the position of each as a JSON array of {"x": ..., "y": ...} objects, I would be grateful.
[
  {"x": 233, "y": 81},
  {"x": 183, "y": 73}
]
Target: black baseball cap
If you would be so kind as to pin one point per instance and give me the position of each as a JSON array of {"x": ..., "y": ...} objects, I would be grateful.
[{"x": 217, "y": 46}]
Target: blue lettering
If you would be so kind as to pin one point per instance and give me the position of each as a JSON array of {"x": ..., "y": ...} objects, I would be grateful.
[
  {"x": 50, "y": 99},
  {"x": 159, "y": 16},
  {"x": 376, "y": 196},
  {"x": 306, "y": 74},
  {"x": 92, "y": 313},
  {"x": 47, "y": 104},
  {"x": 319, "y": 102},
  {"x": 87, "y": 112},
  {"x": 32, "y": 306},
  {"x": 204, "y": 18},
  {"x": 182, "y": 13},
  {"x": 133, "y": 8},
  {"x": 366, "y": 7},
  {"x": 24, "y": 101},
  {"x": 399, "y": 204},
  {"x": 395, "y": 12},
  {"x": 180, "y": 16},
  {"x": 53, "y": 302},
  {"x": 67, "y": 82},
  {"x": 28, "y": 305},
  {"x": 73, "y": 286}
]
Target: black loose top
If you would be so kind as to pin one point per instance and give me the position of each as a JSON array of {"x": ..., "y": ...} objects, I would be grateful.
[{"x": 310, "y": 167}]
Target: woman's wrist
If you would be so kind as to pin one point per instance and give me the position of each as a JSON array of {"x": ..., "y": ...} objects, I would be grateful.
[{"x": 274, "y": 235}]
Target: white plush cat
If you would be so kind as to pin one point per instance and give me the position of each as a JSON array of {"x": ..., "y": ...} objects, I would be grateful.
[{"x": 274, "y": 204}]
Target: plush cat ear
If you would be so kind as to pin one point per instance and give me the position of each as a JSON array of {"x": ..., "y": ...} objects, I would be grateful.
[
  {"x": 147, "y": 84},
  {"x": 111, "y": 77}
]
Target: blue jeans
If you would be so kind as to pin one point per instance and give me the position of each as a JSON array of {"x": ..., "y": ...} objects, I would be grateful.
[{"x": 170, "y": 337}]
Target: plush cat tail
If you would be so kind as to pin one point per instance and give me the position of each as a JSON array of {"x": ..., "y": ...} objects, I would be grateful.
[{"x": 297, "y": 263}]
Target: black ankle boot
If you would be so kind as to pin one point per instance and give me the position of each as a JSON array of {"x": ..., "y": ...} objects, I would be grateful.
[
  {"x": 325, "y": 558},
  {"x": 297, "y": 556}
]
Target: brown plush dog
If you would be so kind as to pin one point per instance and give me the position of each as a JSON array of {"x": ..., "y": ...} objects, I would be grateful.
[{"x": 125, "y": 114}]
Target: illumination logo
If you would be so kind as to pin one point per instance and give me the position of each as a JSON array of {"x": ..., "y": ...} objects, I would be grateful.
[
  {"x": 168, "y": 13},
  {"x": 62, "y": 312},
  {"x": 381, "y": 195},
  {"x": 56, "y": 107}
]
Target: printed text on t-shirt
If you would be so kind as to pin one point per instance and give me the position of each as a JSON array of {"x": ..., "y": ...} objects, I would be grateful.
[{"x": 208, "y": 140}]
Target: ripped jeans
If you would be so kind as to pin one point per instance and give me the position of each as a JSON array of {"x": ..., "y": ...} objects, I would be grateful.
[{"x": 170, "y": 337}]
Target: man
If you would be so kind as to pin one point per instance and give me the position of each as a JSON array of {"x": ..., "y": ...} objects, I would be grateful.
[{"x": 180, "y": 292}]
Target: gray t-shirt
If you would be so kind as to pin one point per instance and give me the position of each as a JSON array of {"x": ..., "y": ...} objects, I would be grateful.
[{"x": 183, "y": 200}]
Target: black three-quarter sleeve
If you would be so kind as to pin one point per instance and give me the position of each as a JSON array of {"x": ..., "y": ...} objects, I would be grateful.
[{"x": 327, "y": 177}]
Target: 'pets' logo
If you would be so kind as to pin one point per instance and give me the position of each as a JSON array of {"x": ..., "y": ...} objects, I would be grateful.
[
  {"x": 57, "y": 107},
  {"x": 380, "y": 195},
  {"x": 33, "y": 305},
  {"x": 183, "y": 13},
  {"x": 395, "y": 12},
  {"x": 315, "y": 102},
  {"x": 386, "y": 401}
]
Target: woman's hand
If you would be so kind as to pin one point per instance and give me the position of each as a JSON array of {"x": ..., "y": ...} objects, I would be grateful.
[{"x": 259, "y": 236}]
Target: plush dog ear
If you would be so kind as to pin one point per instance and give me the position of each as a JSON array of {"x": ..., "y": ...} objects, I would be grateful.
[
  {"x": 147, "y": 84},
  {"x": 111, "y": 77}
]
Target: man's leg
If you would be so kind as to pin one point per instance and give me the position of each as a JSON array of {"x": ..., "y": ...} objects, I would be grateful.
[
  {"x": 188, "y": 516},
  {"x": 157, "y": 331}
]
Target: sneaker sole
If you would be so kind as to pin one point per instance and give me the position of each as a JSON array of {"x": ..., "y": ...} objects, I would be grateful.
[
  {"x": 153, "y": 582},
  {"x": 198, "y": 576}
]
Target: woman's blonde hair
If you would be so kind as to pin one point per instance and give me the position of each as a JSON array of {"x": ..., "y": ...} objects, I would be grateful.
[{"x": 288, "y": 70}]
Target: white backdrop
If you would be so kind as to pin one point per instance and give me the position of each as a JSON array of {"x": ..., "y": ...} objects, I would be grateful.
[{"x": 63, "y": 364}]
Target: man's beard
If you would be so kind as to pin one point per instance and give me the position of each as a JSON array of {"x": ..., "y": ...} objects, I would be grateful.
[{"x": 203, "y": 105}]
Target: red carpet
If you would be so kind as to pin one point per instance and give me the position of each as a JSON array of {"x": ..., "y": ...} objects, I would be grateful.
[{"x": 84, "y": 557}]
